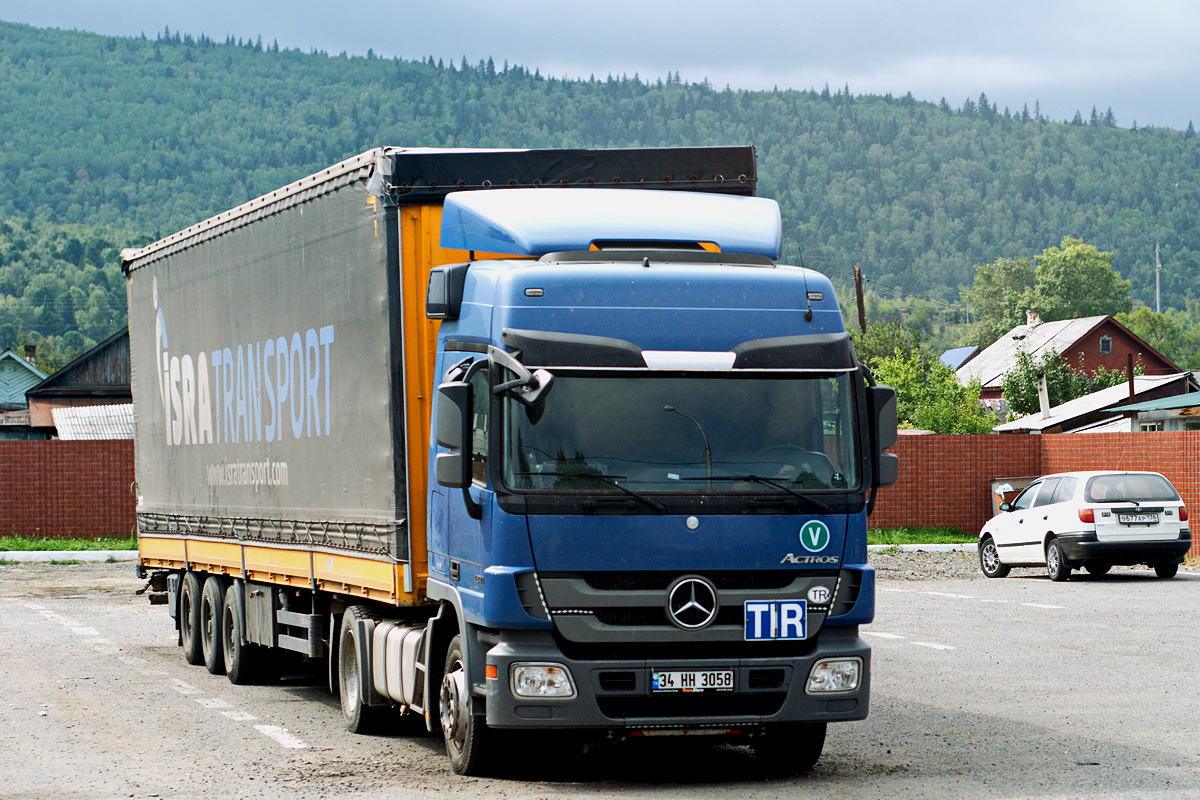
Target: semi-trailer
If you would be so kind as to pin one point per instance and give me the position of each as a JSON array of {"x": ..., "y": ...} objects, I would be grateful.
[{"x": 513, "y": 441}]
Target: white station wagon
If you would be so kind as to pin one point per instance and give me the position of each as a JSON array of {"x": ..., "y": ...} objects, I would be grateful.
[{"x": 1092, "y": 520}]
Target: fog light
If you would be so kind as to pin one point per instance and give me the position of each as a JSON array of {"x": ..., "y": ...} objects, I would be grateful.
[
  {"x": 545, "y": 681},
  {"x": 834, "y": 675}
]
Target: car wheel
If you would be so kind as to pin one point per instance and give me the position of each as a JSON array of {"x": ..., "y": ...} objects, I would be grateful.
[
  {"x": 989, "y": 559},
  {"x": 1057, "y": 566},
  {"x": 1095, "y": 568},
  {"x": 1166, "y": 570}
]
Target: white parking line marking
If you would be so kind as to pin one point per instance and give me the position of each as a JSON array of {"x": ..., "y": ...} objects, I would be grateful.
[
  {"x": 83, "y": 630},
  {"x": 238, "y": 716},
  {"x": 1039, "y": 605},
  {"x": 882, "y": 635},
  {"x": 213, "y": 702},
  {"x": 949, "y": 594},
  {"x": 280, "y": 735},
  {"x": 935, "y": 646},
  {"x": 183, "y": 688}
]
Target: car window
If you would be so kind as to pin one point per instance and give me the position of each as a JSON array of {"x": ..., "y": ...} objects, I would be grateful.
[
  {"x": 1066, "y": 490},
  {"x": 1025, "y": 499},
  {"x": 1123, "y": 487},
  {"x": 1046, "y": 495}
]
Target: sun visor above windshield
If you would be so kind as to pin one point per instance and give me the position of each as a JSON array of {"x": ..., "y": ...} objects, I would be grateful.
[
  {"x": 533, "y": 222},
  {"x": 831, "y": 351}
]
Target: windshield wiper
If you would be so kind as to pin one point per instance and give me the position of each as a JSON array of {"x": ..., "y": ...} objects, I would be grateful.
[
  {"x": 817, "y": 504},
  {"x": 609, "y": 480}
]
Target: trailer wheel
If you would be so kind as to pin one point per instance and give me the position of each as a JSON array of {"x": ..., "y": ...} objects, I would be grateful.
[
  {"x": 465, "y": 734},
  {"x": 359, "y": 717},
  {"x": 244, "y": 663},
  {"x": 212, "y": 600},
  {"x": 189, "y": 619}
]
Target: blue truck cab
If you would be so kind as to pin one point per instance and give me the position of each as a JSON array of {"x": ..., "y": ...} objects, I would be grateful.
[{"x": 654, "y": 457}]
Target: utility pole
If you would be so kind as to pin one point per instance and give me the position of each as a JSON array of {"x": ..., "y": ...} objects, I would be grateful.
[
  {"x": 858, "y": 291},
  {"x": 1157, "y": 281}
]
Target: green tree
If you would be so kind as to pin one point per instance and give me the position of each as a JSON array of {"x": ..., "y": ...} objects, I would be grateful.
[
  {"x": 1078, "y": 280},
  {"x": 997, "y": 299},
  {"x": 1166, "y": 334},
  {"x": 929, "y": 396},
  {"x": 1063, "y": 382},
  {"x": 883, "y": 339}
]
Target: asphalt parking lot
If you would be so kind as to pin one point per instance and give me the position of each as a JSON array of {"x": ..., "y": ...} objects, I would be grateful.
[{"x": 1008, "y": 688}]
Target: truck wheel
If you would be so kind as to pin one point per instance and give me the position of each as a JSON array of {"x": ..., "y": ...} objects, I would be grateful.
[
  {"x": 989, "y": 559},
  {"x": 245, "y": 663},
  {"x": 1057, "y": 566},
  {"x": 465, "y": 734},
  {"x": 790, "y": 749},
  {"x": 212, "y": 600},
  {"x": 189, "y": 619},
  {"x": 1166, "y": 570},
  {"x": 359, "y": 717}
]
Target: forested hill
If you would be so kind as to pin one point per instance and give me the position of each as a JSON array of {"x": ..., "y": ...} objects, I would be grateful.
[{"x": 137, "y": 137}]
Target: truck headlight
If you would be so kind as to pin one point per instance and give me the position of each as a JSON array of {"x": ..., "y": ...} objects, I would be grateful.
[
  {"x": 833, "y": 675},
  {"x": 541, "y": 681}
]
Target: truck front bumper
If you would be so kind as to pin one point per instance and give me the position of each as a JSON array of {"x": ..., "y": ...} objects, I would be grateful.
[{"x": 616, "y": 695}]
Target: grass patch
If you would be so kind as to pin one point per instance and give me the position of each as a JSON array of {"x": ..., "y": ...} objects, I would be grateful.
[
  {"x": 26, "y": 544},
  {"x": 919, "y": 536}
]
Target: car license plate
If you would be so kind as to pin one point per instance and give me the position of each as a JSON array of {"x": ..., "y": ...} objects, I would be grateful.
[
  {"x": 692, "y": 680},
  {"x": 1138, "y": 519}
]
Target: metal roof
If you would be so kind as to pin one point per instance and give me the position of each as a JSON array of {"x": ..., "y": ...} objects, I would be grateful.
[
  {"x": 1089, "y": 403},
  {"x": 1164, "y": 403},
  {"x": 955, "y": 357},
  {"x": 991, "y": 365}
]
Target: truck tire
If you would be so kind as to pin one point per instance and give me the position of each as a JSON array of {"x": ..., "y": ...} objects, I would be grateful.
[
  {"x": 790, "y": 749},
  {"x": 212, "y": 600},
  {"x": 245, "y": 663},
  {"x": 359, "y": 717},
  {"x": 189, "y": 619},
  {"x": 465, "y": 734}
]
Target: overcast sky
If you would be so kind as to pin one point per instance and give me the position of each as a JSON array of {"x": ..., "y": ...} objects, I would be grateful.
[{"x": 1141, "y": 58}]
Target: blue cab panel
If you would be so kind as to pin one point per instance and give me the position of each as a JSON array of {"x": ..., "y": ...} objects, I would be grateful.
[{"x": 533, "y": 222}]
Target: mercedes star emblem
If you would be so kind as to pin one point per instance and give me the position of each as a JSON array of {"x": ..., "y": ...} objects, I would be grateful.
[{"x": 692, "y": 602}]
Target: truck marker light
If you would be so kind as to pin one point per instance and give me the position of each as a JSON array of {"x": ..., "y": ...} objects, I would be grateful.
[{"x": 490, "y": 672}]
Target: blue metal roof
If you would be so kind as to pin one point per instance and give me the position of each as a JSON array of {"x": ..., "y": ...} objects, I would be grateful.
[{"x": 533, "y": 222}]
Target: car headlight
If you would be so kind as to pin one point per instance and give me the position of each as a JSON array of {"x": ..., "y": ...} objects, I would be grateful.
[
  {"x": 834, "y": 675},
  {"x": 541, "y": 681}
]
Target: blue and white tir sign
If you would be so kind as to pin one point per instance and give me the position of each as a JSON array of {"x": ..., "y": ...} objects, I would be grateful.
[{"x": 776, "y": 619}]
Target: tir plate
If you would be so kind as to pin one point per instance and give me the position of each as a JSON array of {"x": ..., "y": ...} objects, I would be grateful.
[{"x": 694, "y": 680}]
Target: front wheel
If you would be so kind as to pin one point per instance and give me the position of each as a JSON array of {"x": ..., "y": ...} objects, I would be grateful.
[
  {"x": 790, "y": 749},
  {"x": 465, "y": 734},
  {"x": 989, "y": 559},
  {"x": 1057, "y": 565},
  {"x": 1166, "y": 570}
]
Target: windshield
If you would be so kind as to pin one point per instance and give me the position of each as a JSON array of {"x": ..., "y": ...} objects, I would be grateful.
[{"x": 685, "y": 434}]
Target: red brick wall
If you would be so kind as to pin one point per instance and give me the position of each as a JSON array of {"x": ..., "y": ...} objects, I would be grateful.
[
  {"x": 57, "y": 489},
  {"x": 945, "y": 480}
]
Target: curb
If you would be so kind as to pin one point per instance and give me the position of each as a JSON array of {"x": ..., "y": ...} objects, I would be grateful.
[
  {"x": 43, "y": 556},
  {"x": 922, "y": 548}
]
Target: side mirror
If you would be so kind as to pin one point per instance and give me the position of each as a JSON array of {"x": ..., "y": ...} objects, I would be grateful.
[
  {"x": 882, "y": 403},
  {"x": 453, "y": 469},
  {"x": 1006, "y": 506}
]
